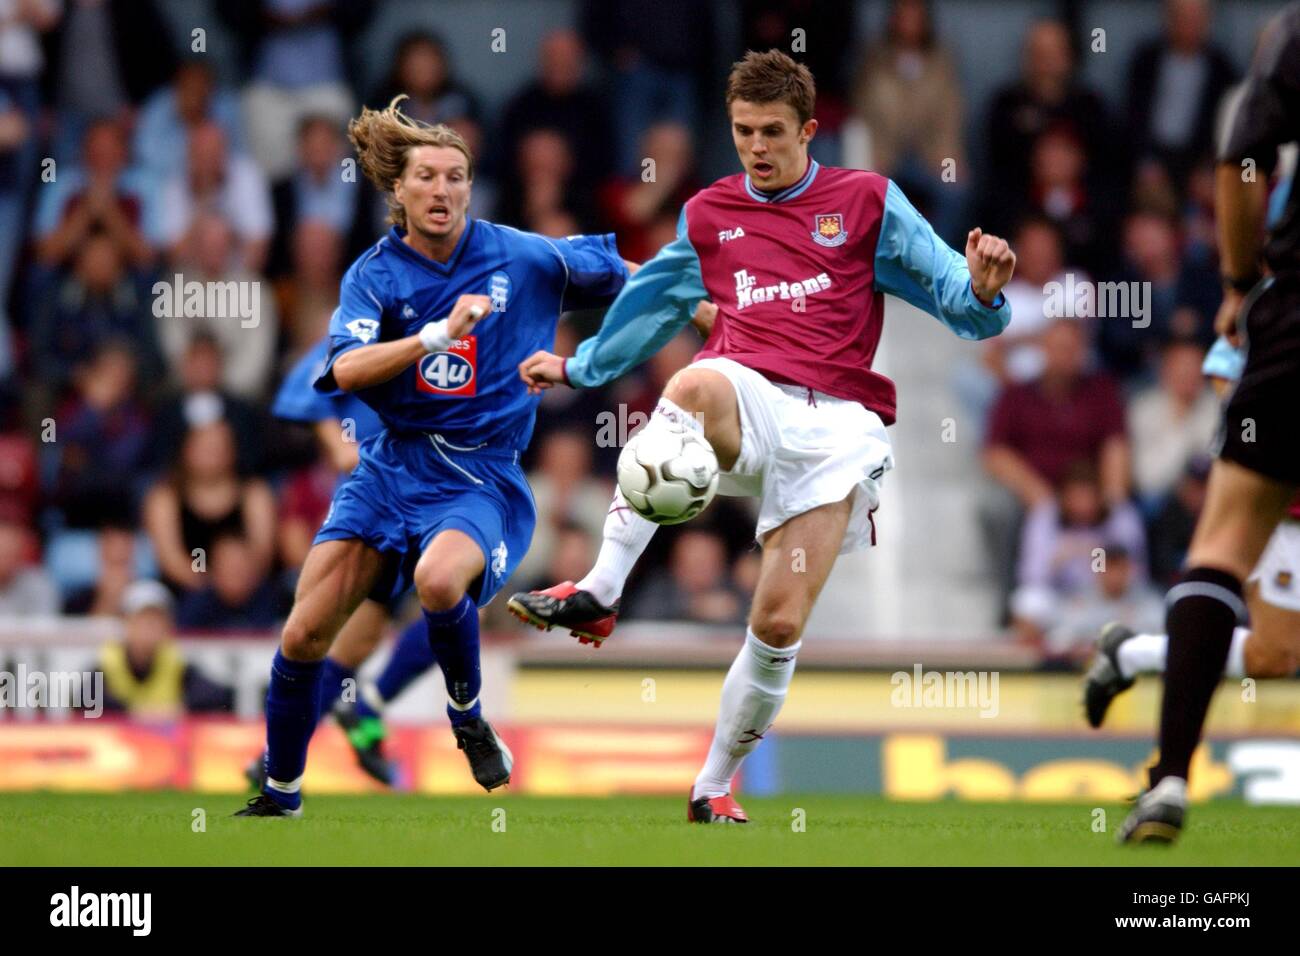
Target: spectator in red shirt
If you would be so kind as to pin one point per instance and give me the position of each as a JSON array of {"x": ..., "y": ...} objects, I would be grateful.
[{"x": 1038, "y": 429}]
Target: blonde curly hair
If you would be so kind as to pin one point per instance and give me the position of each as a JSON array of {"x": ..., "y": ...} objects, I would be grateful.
[{"x": 384, "y": 139}]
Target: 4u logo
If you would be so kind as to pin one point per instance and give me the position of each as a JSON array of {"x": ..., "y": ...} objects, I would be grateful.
[{"x": 452, "y": 372}]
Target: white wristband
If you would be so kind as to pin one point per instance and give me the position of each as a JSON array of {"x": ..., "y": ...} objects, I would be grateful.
[{"x": 434, "y": 336}]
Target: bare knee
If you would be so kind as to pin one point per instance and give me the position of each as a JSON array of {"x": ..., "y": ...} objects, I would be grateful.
[
  {"x": 300, "y": 641},
  {"x": 1264, "y": 661},
  {"x": 778, "y": 626},
  {"x": 439, "y": 588}
]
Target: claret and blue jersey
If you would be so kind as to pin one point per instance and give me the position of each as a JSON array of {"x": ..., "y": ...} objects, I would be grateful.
[{"x": 455, "y": 422}]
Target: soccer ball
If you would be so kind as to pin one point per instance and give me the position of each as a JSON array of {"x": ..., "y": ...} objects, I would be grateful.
[{"x": 668, "y": 474}]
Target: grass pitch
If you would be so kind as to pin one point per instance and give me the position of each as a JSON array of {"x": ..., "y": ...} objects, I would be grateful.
[{"x": 158, "y": 829}]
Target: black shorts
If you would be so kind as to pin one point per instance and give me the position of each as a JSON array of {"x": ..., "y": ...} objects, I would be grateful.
[{"x": 1261, "y": 423}]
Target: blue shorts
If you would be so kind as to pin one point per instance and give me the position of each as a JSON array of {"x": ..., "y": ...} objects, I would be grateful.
[{"x": 410, "y": 486}]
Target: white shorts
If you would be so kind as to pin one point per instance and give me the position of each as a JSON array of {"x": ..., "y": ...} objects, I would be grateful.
[
  {"x": 800, "y": 449},
  {"x": 1278, "y": 571}
]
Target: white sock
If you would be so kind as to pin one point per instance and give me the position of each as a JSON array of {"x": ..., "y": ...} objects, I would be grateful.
[
  {"x": 626, "y": 536},
  {"x": 626, "y": 533},
  {"x": 752, "y": 696},
  {"x": 1236, "y": 666},
  {"x": 1143, "y": 654}
]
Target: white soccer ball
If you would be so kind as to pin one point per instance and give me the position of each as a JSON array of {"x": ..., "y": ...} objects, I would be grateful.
[{"x": 668, "y": 474}]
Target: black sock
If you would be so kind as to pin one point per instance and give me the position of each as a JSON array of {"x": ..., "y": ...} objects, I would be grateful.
[{"x": 1203, "y": 610}]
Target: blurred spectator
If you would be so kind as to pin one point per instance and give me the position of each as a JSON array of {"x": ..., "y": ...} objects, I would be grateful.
[
  {"x": 19, "y": 488},
  {"x": 247, "y": 328},
  {"x": 422, "y": 70},
  {"x": 827, "y": 27},
  {"x": 203, "y": 499},
  {"x": 25, "y": 589},
  {"x": 102, "y": 195},
  {"x": 1016, "y": 356},
  {"x": 571, "y": 555},
  {"x": 215, "y": 180},
  {"x": 1067, "y": 540},
  {"x": 15, "y": 134},
  {"x": 1171, "y": 422},
  {"x": 145, "y": 674},
  {"x": 162, "y": 133},
  {"x": 1038, "y": 429},
  {"x": 908, "y": 94},
  {"x": 296, "y": 53},
  {"x": 304, "y": 501},
  {"x": 238, "y": 594},
  {"x": 632, "y": 204},
  {"x": 1171, "y": 530},
  {"x": 695, "y": 586},
  {"x": 98, "y": 303},
  {"x": 100, "y": 443},
  {"x": 658, "y": 51},
  {"x": 105, "y": 57},
  {"x": 559, "y": 99},
  {"x": 318, "y": 193},
  {"x": 1060, "y": 188},
  {"x": 117, "y": 566},
  {"x": 566, "y": 492},
  {"x": 1175, "y": 84},
  {"x": 544, "y": 184},
  {"x": 201, "y": 400},
  {"x": 1116, "y": 593},
  {"x": 1047, "y": 95},
  {"x": 1153, "y": 259}
]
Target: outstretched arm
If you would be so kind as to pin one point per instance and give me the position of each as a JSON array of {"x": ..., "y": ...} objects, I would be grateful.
[
  {"x": 654, "y": 305},
  {"x": 913, "y": 263}
]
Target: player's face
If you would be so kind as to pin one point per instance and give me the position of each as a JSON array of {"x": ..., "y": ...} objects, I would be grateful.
[
  {"x": 771, "y": 143},
  {"x": 434, "y": 191}
]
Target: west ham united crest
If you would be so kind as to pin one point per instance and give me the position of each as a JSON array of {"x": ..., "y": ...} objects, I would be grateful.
[{"x": 829, "y": 229}]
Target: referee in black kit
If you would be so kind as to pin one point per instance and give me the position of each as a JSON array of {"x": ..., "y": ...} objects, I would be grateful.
[{"x": 1257, "y": 472}]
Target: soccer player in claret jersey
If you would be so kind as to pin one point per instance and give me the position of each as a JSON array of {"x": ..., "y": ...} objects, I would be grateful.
[
  {"x": 432, "y": 324},
  {"x": 797, "y": 258}
]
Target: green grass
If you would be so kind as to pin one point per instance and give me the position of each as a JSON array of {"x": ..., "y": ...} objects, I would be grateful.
[{"x": 155, "y": 829}]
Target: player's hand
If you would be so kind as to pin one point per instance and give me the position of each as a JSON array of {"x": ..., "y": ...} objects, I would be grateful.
[
  {"x": 541, "y": 370},
  {"x": 468, "y": 311},
  {"x": 1225, "y": 322},
  {"x": 706, "y": 313},
  {"x": 991, "y": 263}
]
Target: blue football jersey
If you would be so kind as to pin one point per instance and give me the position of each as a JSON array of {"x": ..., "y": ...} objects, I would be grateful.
[
  {"x": 297, "y": 401},
  {"x": 471, "y": 393}
]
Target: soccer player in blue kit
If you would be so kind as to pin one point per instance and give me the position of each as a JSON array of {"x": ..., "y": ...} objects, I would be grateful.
[
  {"x": 341, "y": 421},
  {"x": 438, "y": 499}
]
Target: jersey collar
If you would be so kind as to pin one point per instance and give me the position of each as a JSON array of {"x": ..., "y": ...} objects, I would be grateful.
[
  {"x": 397, "y": 234},
  {"x": 790, "y": 192}
]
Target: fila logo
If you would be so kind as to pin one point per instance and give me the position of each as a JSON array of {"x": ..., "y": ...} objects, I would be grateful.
[{"x": 726, "y": 235}]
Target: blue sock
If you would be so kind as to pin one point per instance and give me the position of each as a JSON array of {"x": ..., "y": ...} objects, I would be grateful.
[
  {"x": 453, "y": 638},
  {"x": 332, "y": 676},
  {"x": 292, "y": 706},
  {"x": 411, "y": 657}
]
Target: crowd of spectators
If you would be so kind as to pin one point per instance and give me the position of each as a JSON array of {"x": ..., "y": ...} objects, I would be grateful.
[{"x": 138, "y": 443}]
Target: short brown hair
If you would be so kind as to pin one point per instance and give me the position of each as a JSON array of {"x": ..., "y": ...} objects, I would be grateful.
[
  {"x": 384, "y": 139},
  {"x": 773, "y": 77}
]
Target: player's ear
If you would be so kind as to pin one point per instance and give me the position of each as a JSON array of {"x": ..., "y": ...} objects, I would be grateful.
[{"x": 808, "y": 131}]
